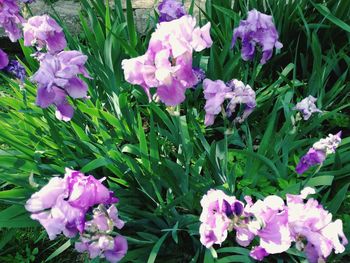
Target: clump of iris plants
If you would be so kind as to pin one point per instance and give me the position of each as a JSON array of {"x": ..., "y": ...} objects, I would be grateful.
[{"x": 161, "y": 164}]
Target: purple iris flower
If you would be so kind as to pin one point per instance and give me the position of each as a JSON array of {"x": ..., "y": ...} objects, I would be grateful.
[
  {"x": 10, "y": 19},
  {"x": 57, "y": 78},
  {"x": 86, "y": 191},
  {"x": 215, "y": 95},
  {"x": 4, "y": 59},
  {"x": 258, "y": 29},
  {"x": 44, "y": 32},
  {"x": 216, "y": 92},
  {"x": 16, "y": 69},
  {"x": 258, "y": 253},
  {"x": 170, "y": 10},
  {"x": 318, "y": 153}
]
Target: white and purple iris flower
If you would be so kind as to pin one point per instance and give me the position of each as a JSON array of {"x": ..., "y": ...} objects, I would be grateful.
[
  {"x": 312, "y": 228},
  {"x": 276, "y": 224},
  {"x": 307, "y": 107},
  {"x": 216, "y": 217},
  {"x": 257, "y": 29},
  {"x": 318, "y": 152}
]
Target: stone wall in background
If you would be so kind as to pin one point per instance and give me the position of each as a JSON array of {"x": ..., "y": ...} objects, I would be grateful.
[{"x": 69, "y": 10}]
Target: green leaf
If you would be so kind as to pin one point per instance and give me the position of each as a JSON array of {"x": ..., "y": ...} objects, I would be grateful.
[
  {"x": 327, "y": 14},
  {"x": 131, "y": 24},
  {"x": 339, "y": 198},
  {"x": 99, "y": 162},
  {"x": 143, "y": 144},
  {"x": 155, "y": 249},
  {"x": 22, "y": 221},
  {"x": 59, "y": 250}
]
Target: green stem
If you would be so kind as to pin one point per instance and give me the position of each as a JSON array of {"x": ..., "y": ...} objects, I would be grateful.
[
  {"x": 252, "y": 80},
  {"x": 226, "y": 174},
  {"x": 302, "y": 185},
  {"x": 29, "y": 10}
]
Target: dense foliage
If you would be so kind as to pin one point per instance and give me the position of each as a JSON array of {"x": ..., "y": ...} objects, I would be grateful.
[{"x": 160, "y": 160}]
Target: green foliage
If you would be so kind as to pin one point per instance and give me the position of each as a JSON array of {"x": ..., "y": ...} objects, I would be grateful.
[{"x": 161, "y": 161}]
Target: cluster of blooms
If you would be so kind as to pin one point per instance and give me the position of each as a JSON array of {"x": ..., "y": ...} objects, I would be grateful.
[
  {"x": 63, "y": 204},
  {"x": 58, "y": 75},
  {"x": 307, "y": 107},
  {"x": 318, "y": 152},
  {"x": 10, "y": 19},
  {"x": 257, "y": 29},
  {"x": 167, "y": 64},
  {"x": 170, "y": 10},
  {"x": 275, "y": 223},
  {"x": 216, "y": 92}
]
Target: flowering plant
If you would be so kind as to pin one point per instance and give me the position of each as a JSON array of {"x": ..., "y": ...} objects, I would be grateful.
[{"x": 212, "y": 132}]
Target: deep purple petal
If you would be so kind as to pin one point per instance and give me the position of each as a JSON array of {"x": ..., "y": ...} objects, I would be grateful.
[{"x": 4, "y": 60}]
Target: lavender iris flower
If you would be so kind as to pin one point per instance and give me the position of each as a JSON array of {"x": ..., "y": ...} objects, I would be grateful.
[
  {"x": 61, "y": 205},
  {"x": 57, "y": 78},
  {"x": 170, "y": 10},
  {"x": 44, "y": 32},
  {"x": 4, "y": 59},
  {"x": 10, "y": 19},
  {"x": 215, "y": 95},
  {"x": 318, "y": 153},
  {"x": 307, "y": 107},
  {"x": 216, "y": 92},
  {"x": 258, "y": 29}
]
